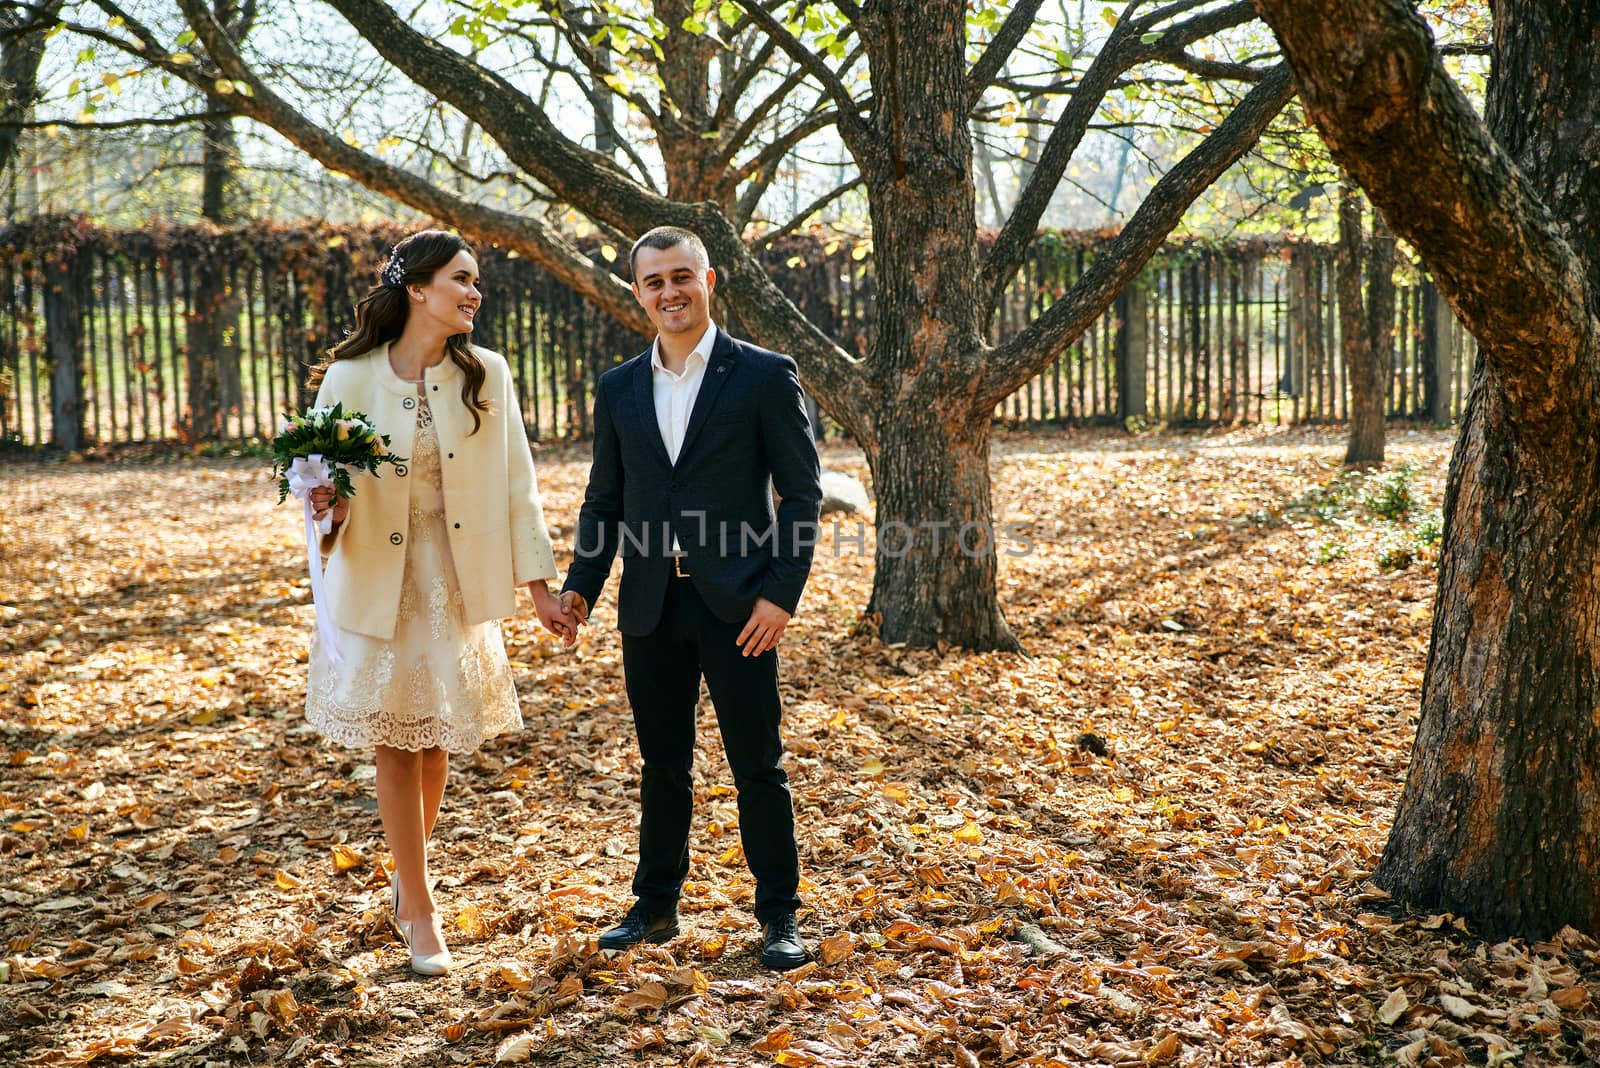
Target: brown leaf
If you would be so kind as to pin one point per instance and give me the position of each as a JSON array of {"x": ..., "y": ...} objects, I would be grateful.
[
  {"x": 835, "y": 948},
  {"x": 648, "y": 998},
  {"x": 1572, "y": 999}
]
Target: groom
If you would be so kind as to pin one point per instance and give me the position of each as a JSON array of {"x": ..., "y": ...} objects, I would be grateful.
[{"x": 690, "y": 439}]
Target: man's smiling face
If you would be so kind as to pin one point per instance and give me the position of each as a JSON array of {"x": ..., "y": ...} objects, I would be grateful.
[{"x": 674, "y": 285}]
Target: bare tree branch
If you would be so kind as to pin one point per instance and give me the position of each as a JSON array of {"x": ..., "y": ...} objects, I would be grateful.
[
  {"x": 118, "y": 124},
  {"x": 1012, "y": 30},
  {"x": 808, "y": 211},
  {"x": 1015, "y": 361},
  {"x": 851, "y": 128},
  {"x": 1010, "y": 246},
  {"x": 1123, "y": 49},
  {"x": 527, "y": 235}
]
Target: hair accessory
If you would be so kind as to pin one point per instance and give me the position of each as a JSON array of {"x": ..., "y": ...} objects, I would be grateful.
[{"x": 394, "y": 271}]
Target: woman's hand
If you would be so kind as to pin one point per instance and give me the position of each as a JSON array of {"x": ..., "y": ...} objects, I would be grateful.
[
  {"x": 555, "y": 619},
  {"x": 321, "y": 497}
]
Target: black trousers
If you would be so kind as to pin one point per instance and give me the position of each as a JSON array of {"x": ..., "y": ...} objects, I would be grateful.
[{"x": 663, "y": 671}]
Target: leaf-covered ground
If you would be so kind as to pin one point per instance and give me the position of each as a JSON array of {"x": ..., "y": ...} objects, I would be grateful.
[{"x": 188, "y": 877}]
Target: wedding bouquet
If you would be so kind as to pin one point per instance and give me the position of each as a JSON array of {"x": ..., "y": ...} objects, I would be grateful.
[{"x": 322, "y": 447}]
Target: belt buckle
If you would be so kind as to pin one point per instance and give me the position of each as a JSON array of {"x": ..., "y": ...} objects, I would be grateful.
[{"x": 677, "y": 566}]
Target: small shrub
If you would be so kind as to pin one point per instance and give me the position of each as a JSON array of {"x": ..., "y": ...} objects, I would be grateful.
[
  {"x": 1430, "y": 530},
  {"x": 1396, "y": 553},
  {"x": 1391, "y": 497},
  {"x": 1329, "y": 551}
]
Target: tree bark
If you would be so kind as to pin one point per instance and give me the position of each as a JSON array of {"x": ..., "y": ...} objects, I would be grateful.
[
  {"x": 929, "y": 449},
  {"x": 21, "y": 51},
  {"x": 1498, "y": 821},
  {"x": 1365, "y": 287},
  {"x": 63, "y": 316},
  {"x": 212, "y": 333}
]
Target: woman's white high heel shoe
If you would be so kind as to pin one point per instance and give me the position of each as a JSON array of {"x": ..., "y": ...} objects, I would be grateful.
[{"x": 422, "y": 963}]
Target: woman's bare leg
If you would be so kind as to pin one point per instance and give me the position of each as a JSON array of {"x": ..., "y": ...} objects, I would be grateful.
[
  {"x": 402, "y": 806},
  {"x": 435, "y": 770}
]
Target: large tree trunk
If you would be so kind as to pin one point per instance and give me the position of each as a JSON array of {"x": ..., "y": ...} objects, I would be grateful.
[
  {"x": 212, "y": 358},
  {"x": 1499, "y": 820},
  {"x": 1366, "y": 326},
  {"x": 22, "y": 42},
  {"x": 215, "y": 386},
  {"x": 63, "y": 316},
  {"x": 689, "y": 150},
  {"x": 929, "y": 446}
]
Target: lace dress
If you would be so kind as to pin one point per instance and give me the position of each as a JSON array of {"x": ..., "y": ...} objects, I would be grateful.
[{"x": 439, "y": 682}]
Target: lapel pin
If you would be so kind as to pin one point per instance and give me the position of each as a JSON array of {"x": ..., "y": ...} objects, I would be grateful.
[{"x": 722, "y": 368}]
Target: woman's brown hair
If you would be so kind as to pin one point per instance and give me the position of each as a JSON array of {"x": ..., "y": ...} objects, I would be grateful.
[{"x": 381, "y": 314}]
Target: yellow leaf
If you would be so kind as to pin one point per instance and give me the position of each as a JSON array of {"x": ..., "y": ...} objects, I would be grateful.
[
  {"x": 971, "y": 834},
  {"x": 780, "y": 1038},
  {"x": 284, "y": 880},
  {"x": 691, "y": 979},
  {"x": 80, "y": 832},
  {"x": 471, "y": 922},
  {"x": 872, "y": 768},
  {"x": 346, "y": 859}
]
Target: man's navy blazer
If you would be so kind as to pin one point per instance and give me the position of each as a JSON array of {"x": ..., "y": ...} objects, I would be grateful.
[{"x": 748, "y": 434}]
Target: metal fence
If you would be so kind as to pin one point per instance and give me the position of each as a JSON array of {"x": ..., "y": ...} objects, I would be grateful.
[{"x": 102, "y": 323}]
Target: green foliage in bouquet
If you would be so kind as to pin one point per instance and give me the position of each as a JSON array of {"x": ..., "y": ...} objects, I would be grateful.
[{"x": 346, "y": 441}]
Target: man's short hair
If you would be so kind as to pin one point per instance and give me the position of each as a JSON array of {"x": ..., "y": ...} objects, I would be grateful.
[{"x": 665, "y": 237}]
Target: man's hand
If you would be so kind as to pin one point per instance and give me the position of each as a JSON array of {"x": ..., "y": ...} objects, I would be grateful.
[
  {"x": 553, "y": 615},
  {"x": 573, "y": 604},
  {"x": 765, "y": 629}
]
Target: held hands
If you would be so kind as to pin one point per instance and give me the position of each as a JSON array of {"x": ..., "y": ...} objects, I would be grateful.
[
  {"x": 554, "y": 615},
  {"x": 577, "y": 609},
  {"x": 320, "y": 499},
  {"x": 765, "y": 629}
]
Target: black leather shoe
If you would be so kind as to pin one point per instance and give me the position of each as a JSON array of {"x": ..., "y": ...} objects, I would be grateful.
[
  {"x": 782, "y": 948},
  {"x": 642, "y": 925}
]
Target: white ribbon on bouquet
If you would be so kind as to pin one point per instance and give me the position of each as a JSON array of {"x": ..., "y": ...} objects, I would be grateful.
[{"x": 306, "y": 474}]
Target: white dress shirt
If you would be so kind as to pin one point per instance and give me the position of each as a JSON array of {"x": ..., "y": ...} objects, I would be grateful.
[{"x": 675, "y": 394}]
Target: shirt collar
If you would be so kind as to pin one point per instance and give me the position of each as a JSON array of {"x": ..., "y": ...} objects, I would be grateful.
[{"x": 702, "y": 349}]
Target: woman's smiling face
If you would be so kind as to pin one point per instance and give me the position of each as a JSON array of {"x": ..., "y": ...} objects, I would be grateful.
[{"x": 451, "y": 297}]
